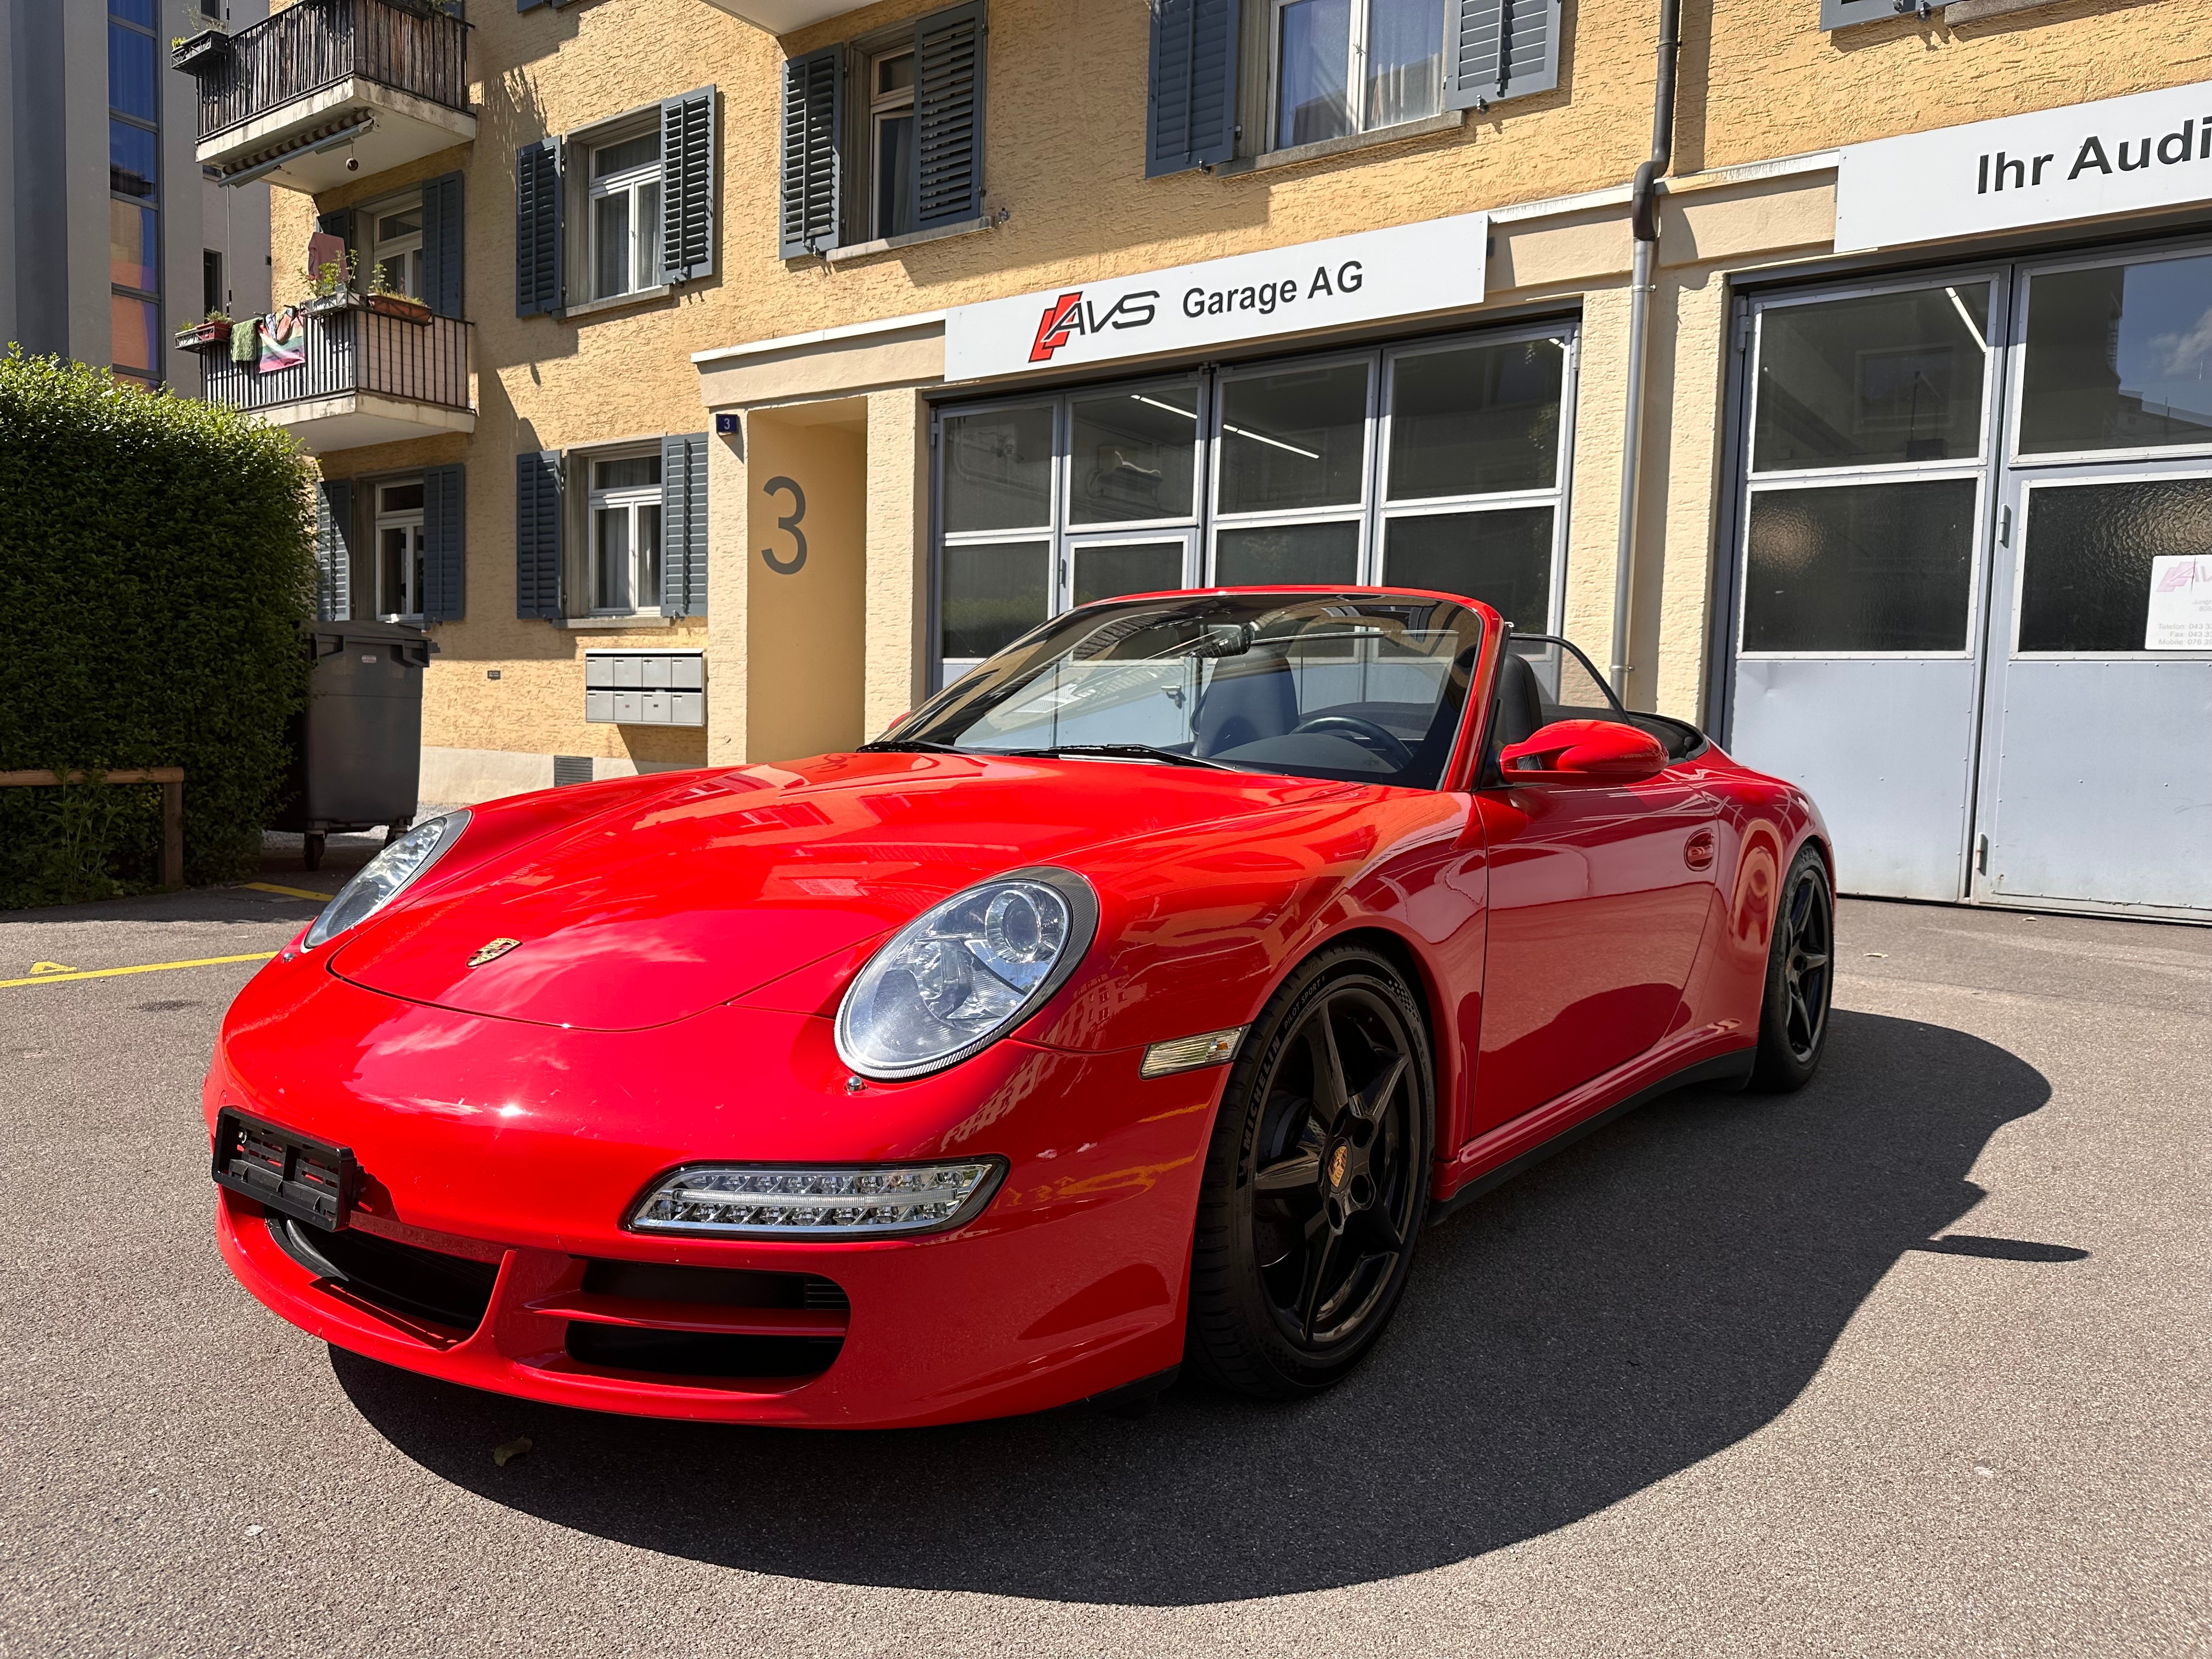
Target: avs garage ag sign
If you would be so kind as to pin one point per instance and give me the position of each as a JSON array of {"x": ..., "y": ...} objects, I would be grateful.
[{"x": 1369, "y": 277}]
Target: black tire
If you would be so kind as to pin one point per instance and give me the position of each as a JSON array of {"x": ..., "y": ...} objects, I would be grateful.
[
  {"x": 1801, "y": 981},
  {"x": 1298, "y": 1165}
]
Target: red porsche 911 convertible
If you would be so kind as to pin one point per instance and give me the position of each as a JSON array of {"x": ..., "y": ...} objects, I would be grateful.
[{"x": 1132, "y": 1007}]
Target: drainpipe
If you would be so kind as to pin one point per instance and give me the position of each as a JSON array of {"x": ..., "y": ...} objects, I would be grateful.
[{"x": 1644, "y": 225}]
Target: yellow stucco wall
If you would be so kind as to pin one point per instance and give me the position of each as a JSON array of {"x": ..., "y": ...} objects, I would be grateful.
[{"x": 1066, "y": 105}]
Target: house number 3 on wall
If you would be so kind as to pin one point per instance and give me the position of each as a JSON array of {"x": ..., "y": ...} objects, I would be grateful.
[{"x": 797, "y": 560}]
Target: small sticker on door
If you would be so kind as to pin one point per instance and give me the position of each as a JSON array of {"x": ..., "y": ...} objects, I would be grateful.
[{"x": 2180, "y": 603}]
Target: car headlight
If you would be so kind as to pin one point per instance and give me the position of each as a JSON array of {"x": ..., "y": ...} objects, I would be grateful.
[
  {"x": 961, "y": 974},
  {"x": 385, "y": 876}
]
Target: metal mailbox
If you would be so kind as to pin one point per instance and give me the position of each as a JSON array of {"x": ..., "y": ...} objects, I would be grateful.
[{"x": 644, "y": 688}]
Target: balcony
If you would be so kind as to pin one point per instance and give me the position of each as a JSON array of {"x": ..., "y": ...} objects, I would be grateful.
[
  {"x": 367, "y": 378},
  {"x": 292, "y": 99}
]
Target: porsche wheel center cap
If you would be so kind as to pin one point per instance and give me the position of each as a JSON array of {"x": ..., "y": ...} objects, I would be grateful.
[
  {"x": 492, "y": 951},
  {"x": 1338, "y": 1161}
]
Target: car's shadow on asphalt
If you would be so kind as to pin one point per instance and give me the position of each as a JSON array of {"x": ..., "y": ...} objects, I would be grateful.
[{"x": 1648, "y": 1297}]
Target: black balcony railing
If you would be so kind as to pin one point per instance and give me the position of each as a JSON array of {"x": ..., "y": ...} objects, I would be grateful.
[
  {"x": 355, "y": 350},
  {"x": 410, "y": 45}
]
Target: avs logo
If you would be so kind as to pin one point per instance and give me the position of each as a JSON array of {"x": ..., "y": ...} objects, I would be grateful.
[{"x": 1068, "y": 316}]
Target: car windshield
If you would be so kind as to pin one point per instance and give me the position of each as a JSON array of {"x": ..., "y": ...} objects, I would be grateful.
[{"x": 1364, "y": 688}]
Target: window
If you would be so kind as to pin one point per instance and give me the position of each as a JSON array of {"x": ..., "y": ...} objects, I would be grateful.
[
  {"x": 399, "y": 561},
  {"x": 891, "y": 147},
  {"x": 1439, "y": 465},
  {"x": 902, "y": 154},
  {"x": 1348, "y": 66},
  {"x": 623, "y": 202},
  {"x": 1230, "y": 83},
  {"x": 1866, "y": 434},
  {"x": 213, "y": 294},
  {"x": 624, "y": 536},
  {"x": 134, "y": 229},
  {"x": 395, "y": 244}
]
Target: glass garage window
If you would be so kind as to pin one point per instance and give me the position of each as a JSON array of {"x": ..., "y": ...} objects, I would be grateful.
[
  {"x": 1438, "y": 464},
  {"x": 1869, "y": 417},
  {"x": 2118, "y": 357},
  {"x": 1873, "y": 380}
]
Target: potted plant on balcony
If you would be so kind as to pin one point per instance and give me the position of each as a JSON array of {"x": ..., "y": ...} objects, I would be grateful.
[
  {"x": 388, "y": 302},
  {"x": 329, "y": 286},
  {"x": 204, "y": 45},
  {"x": 210, "y": 333}
]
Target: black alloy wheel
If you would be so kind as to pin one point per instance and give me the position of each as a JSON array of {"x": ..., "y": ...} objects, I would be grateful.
[
  {"x": 1801, "y": 980},
  {"x": 1316, "y": 1180}
]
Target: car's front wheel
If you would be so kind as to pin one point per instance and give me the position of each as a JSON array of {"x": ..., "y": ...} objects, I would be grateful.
[{"x": 1316, "y": 1180}]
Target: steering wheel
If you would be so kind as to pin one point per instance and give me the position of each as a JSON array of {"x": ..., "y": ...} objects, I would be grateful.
[{"x": 1384, "y": 742}]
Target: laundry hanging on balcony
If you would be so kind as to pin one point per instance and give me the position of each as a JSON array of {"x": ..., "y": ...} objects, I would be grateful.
[{"x": 283, "y": 340}]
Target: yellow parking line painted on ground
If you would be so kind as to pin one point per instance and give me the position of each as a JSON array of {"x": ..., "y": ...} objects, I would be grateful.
[
  {"x": 288, "y": 892},
  {"x": 148, "y": 968}
]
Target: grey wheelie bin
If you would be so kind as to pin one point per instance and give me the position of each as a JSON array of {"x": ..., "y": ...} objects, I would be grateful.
[{"x": 358, "y": 750}]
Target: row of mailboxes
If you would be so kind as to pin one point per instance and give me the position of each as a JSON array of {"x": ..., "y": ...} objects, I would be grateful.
[{"x": 644, "y": 688}]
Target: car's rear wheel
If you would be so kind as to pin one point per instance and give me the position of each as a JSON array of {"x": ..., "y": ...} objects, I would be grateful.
[
  {"x": 1801, "y": 980},
  {"x": 1316, "y": 1180}
]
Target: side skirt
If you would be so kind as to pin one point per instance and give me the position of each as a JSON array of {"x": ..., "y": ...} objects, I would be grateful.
[{"x": 1733, "y": 1067}]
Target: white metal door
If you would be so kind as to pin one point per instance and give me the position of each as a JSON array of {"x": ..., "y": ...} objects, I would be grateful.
[
  {"x": 1861, "y": 560},
  {"x": 2097, "y": 768}
]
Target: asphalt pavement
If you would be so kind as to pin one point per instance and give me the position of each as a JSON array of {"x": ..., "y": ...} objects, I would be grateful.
[{"x": 1912, "y": 1363}]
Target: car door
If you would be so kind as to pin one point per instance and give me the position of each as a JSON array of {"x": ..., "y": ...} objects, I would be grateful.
[{"x": 1601, "y": 892}]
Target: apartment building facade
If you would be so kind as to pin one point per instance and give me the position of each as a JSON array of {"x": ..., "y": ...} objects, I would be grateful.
[
  {"x": 111, "y": 237},
  {"x": 777, "y": 360}
]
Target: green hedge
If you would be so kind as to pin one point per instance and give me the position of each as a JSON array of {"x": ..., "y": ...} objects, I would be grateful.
[{"x": 156, "y": 558}]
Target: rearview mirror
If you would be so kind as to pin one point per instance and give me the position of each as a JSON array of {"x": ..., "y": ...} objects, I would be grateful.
[{"x": 1598, "y": 750}]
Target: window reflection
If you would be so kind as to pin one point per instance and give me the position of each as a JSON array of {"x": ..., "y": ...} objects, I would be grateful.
[
  {"x": 1882, "y": 379},
  {"x": 1133, "y": 455},
  {"x": 1477, "y": 418},
  {"x": 2118, "y": 357},
  {"x": 998, "y": 468},
  {"x": 1293, "y": 439}
]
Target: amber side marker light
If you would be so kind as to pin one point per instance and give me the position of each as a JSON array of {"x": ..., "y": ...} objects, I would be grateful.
[{"x": 1188, "y": 1054}]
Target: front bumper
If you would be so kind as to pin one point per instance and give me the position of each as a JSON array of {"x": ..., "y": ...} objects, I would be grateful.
[{"x": 520, "y": 1147}]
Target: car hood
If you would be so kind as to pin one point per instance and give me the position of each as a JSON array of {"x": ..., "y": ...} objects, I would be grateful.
[{"x": 647, "y": 908}]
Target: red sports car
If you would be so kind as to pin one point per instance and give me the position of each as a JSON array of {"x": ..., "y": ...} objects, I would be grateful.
[{"x": 1133, "y": 1005}]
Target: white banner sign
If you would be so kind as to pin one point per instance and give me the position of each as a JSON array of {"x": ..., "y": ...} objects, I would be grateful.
[
  {"x": 2120, "y": 156},
  {"x": 1363, "y": 278},
  {"x": 2180, "y": 603}
]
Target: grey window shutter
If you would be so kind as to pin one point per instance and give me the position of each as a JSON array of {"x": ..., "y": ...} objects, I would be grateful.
[
  {"x": 1191, "y": 120},
  {"x": 1501, "y": 49},
  {"x": 334, "y": 550},
  {"x": 537, "y": 534},
  {"x": 683, "y": 525},
  {"x": 948, "y": 116},
  {"x": 338, "y": 224},
  {"x": 442, "y": 244},
  {"x": 538, "y": 227},
  {"x": 813, "y": 181},
  {"x": 445, "y": 542},
  {"x": 525, "y": 5},
  {"x": 687, "y": 186}
]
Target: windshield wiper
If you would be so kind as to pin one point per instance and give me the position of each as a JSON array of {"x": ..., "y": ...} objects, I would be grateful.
[
  {"x": 912, "y": 746},
  {"x": 1128, "y": 752}
]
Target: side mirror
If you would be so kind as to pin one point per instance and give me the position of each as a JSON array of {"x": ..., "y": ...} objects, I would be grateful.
[{"x": 1596, "y": 751}]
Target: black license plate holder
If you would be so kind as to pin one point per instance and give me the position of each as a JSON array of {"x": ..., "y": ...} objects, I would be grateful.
[{"x": 294, "y": 1175}]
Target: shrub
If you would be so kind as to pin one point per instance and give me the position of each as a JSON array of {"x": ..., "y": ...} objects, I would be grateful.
[{"x": 156, "y": 558}]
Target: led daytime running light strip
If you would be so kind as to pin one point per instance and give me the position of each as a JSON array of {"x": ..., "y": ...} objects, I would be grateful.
[{"x": 837, "y": 1203}]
